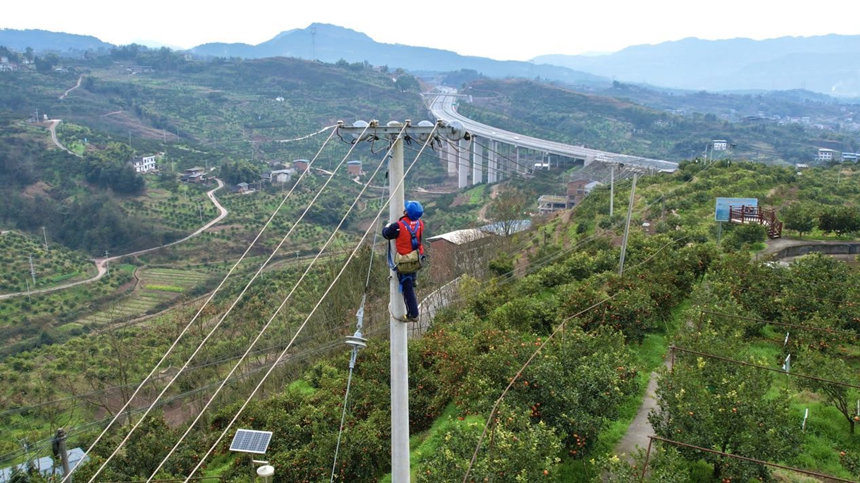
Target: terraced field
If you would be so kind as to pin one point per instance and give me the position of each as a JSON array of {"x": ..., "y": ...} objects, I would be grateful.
[{"x": 156, "y": 287}]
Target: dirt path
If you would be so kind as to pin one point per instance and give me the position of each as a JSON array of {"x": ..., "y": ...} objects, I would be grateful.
[
  {"x": 72, "y": 88},
  {"x": 102, "y": 263},
  {"x": 640, "y": 429},
  {"x": 52, "y": 126},
  {"x": 482, "y": 214}
]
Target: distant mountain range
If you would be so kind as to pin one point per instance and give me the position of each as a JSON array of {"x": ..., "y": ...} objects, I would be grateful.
[
  {"x": 47, "y": 41},
  {"x": 827, "y": 64},
  {"x": 329, "y": 43}
]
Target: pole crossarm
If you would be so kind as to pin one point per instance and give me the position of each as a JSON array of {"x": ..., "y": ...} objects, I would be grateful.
[{"x": 376, "y": 131}]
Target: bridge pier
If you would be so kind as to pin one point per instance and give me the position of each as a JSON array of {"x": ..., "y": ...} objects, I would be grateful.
[
  {"x": 492, "y": 161},
  {"x": 477, "y": 162},
  {"x": 463, "y": 164},
  {"x": 517, "y": 159},
  {"x": 451, "y": 158}
]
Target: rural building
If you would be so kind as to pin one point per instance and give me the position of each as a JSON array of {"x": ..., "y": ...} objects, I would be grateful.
[
  {"x": 825, "y": 154},
  {"x": 458, "y": 252},
  {"x": 46, "y": 466},
  {"x": 353, "y": 168},
  {"x": 145, "y": 164},
  {"x": 243, "y": 188},
  {"x": 194, "y": 175},
  {"x": 552, "y": 203},
  {"x": 579, "y": 189},
  {"x": 301, "y": 165},
  {"x": 720, "y": 145},
  {"x": 282, "y": 175}
]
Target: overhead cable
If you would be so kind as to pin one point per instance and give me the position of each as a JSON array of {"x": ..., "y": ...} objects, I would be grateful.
[
  {"x": 188, "y": 326},
  {"x": 313, "y": 311}
]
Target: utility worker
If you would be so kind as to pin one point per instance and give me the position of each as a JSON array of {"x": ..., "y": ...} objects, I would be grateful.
[{"x": 409, "y": 252}]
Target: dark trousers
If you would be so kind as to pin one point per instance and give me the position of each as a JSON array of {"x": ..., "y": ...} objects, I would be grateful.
[{"x": 407, "y": 287}]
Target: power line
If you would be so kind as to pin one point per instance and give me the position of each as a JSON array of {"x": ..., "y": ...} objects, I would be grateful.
[
  {"x": 188, "y": 326},
  {"x": 304, "y": 324},
  {"x": 520, "y": 372},
  {"x": 229, "y": 310},
  {"x": 749, "y": 364},
  {"x": 283, "y": 303},
  {"x": 785, "y": 324},
  {"x": 735, "y": 456}
]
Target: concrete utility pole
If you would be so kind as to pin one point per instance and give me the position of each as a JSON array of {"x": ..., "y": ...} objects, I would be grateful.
[
  {"x": 32, "y": 270},
  {"x": 396, "y": 306},
  {"x": 611, "y": 189},
  {"x": 45, "y": 235},
  {"x": 61, "y": 451},
  {"x": 627, "y": 226},
  {"x": 399, "y": 354}
]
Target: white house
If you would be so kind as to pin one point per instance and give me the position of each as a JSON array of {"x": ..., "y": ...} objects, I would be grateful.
[
  {"x": 825, "y": 154},
  {"x": 145, "y": 164}
]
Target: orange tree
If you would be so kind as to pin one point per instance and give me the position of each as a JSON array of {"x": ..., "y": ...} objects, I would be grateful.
[{"x": 725, "y": 407}]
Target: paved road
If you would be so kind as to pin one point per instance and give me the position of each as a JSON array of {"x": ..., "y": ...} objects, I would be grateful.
[{"x": 102, "y": 263}]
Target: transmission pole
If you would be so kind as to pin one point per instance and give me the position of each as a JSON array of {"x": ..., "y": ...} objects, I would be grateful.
[
  {"x": 397, "y": 309},
  {"x": 61, "y": 452},
  {"x": 362, "y": 131},
  {"x": 32, "y": 270},
  {"x": 45, "y": 235},
  {"x": 611, "y": 189},
  {"x": 627, "y": 226}
]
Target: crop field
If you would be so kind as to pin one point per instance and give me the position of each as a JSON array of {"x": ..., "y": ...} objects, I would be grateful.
[{"x": 157, "y": 288}]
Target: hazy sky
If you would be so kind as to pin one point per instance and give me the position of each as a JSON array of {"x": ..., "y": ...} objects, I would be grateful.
[{"x": 477, "y": 27}]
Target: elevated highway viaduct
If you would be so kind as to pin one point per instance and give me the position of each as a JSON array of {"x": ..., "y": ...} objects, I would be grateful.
[{"x": 508, "y": 152}]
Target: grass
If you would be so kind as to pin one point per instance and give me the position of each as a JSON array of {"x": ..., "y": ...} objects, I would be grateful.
[
  {"x": 428, "y": 442},
  {"x": 825, "y": 436}
]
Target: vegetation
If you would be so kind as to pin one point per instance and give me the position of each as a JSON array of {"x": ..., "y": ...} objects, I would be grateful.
[{"x": 550, "y": 356}]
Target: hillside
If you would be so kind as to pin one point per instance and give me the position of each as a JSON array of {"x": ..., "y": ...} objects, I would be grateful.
[{"x": 561, "y": 417}]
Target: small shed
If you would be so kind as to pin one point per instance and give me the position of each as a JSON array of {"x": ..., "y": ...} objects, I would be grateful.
[
  {"x": 301, "y": 165},
  {"x": 353, "y": 167}
]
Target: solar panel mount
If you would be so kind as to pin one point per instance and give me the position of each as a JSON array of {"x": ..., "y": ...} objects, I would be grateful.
[{"x": 251, "y": 441}]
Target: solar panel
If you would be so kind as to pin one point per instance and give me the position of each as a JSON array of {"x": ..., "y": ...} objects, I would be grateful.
[{"x": 250, "y": 441}]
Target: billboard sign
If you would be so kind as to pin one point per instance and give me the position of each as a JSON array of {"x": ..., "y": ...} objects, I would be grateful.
[{"x": 721, "y": 213}]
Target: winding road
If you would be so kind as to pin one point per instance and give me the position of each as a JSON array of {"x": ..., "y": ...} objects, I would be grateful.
[
  {"x": 102, "y": 263},
  {"x": 52, "y": 126}
]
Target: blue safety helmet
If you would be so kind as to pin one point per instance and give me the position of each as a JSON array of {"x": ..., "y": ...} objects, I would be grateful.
[{"x": 414, "y": 210}]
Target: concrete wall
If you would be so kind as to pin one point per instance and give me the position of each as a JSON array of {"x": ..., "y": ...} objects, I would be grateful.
[{"x": 846, "y": 248}]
